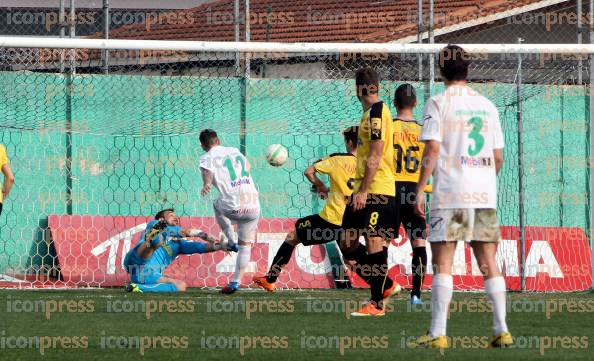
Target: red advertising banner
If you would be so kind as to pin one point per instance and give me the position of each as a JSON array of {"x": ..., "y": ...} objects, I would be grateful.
[
  {"x": 556, "y": 259},
  {"x": 91, "y": 249}
]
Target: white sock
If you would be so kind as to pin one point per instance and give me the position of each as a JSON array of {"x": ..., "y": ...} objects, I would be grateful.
[
  {"x": 441, "y": 295},
  {"x": 243, "y": 259},
  {"x": 495, "y": 289}
]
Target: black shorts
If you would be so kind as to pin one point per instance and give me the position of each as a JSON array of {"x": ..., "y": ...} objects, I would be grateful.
[
  {"x": 0, "y": 208},
  {"x": 414, "y": 225},
  {"x": 314, "y": 229},
  {"x": 375, "y": 220}
]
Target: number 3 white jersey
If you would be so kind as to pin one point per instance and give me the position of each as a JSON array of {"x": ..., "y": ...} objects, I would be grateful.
[
  {"x": 231, "y": 178},
  {"x": 467, "y": 125}
]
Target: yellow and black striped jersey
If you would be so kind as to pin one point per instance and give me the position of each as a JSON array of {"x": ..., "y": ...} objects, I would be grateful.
[
  {"x": 3, "y": 161},
  {"x": 376, "y": 124},
  {"x": 340, "y": 167},
  {"x": 408, "y": 150}
]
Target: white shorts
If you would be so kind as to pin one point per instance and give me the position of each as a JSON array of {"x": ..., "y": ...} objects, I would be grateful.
[
  {"x": 245, "y": 219},
  {"x": 464, "y": 224}
]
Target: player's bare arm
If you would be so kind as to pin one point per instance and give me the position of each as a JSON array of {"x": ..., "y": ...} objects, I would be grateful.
[
  {"x": 375, "y": 156},
  {"x": 428, "y": 163},
  {"x": 8, "y": 180},
  {"x": 498, "y": 155},
  {"x": 310, "y": 174},
  {"x": 197, "y": 233},
  {"x": 207, "y": 178}
]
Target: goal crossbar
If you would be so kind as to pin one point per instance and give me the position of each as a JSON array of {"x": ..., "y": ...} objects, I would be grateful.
[{"x": 231, "y": 46}]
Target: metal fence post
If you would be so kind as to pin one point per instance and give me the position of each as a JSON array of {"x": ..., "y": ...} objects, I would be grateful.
[
  {"x": 72, "y": 33},
  {"x": 236, "y": 29},
  {"x": 106, "y": 35},
  {"x": 420, "y": 30},
  {"x": 431, "y": 56},
  {"x": 521, "y": 173},
  {"x": 245, "y": 83},
  {"x": 591, "y": 140},
  {"x": 579, "y": 38},
  {"x": 247, "y": 38},
  {"x": 268, "y": 30},
  {"x": 62, "y": 20}
]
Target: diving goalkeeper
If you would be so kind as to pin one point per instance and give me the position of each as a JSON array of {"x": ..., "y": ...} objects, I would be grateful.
[{"x": 163, "y": 240}]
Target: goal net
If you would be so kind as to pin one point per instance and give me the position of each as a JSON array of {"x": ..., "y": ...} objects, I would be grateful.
[{"x": 98, "y": 150}]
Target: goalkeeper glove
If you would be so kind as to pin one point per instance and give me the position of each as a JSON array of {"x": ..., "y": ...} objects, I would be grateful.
[{"x": 151, "y": 238}]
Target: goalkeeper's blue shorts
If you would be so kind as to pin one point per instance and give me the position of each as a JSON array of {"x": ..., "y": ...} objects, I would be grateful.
[{"x": 139, "y": 271}]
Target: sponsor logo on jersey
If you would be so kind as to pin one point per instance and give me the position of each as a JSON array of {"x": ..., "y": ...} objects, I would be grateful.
[
  {"x": 168, "y": 249},
  {"x": 403, "y": 136},
  {"x": 240, "y": 181},
  {"x": 304, "y": 224},
  {"x": 476, "y": 162}
]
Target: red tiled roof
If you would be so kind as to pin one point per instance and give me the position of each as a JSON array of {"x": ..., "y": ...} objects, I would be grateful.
[{"x": 312, "y": 20}]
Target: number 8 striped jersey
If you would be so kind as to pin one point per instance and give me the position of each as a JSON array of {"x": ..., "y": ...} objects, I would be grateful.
[
  {"x": 232, "y": 177},
  {"x": 408, "y": 150}
]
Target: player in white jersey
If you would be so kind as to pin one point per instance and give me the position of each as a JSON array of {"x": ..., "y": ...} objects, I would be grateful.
[
  {"x": 464, "y": 152},
  {"x": 229, "y": 171}
]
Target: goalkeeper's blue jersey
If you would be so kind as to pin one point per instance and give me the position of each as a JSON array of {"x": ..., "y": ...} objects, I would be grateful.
[{"x": 164, "y": 255}]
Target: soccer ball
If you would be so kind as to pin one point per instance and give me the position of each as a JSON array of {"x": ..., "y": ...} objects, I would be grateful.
[{"x": 276, "y": 155}]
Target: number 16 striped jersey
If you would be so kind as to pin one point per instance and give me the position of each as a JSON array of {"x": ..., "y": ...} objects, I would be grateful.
[{"x": 408, "y": 150}]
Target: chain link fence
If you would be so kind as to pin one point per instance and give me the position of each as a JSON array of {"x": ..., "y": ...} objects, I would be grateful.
[
  {"x": 125, "y": 142},
  {"x": 457, "y": 22}
]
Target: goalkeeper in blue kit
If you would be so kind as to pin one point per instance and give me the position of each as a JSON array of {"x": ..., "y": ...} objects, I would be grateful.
[{"x": 162, "y": 241}]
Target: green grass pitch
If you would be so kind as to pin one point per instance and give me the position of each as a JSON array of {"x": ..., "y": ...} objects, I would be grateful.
[{"x": 289, "y": 325}]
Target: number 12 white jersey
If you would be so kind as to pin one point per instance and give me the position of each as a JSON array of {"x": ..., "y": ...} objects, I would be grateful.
[{"x": 231, "y": 178}]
